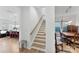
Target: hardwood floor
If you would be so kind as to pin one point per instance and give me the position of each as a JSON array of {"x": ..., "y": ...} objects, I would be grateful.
[
  {"x": 26, "y": 50},
  {"x": 69, "y": 49},
  {"x": 9, "y": 45}
]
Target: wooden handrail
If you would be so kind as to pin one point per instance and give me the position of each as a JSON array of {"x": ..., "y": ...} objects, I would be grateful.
[{"x": 36, "y": 25}]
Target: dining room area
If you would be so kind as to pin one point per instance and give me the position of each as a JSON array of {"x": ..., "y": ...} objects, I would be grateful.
[{"x": 67, "y": 29}]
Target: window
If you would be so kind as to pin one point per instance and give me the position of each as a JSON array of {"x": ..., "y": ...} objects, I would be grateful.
[{"x": 58, "y": 26}]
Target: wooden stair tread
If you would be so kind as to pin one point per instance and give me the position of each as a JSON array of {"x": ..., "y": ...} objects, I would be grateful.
[
  {"x": 40, "y": 37},
  {"x": 38, "y": 49},
  {"x": 39, "y": 45},
  {"x": 43, "y": 34},
  {"x": 41, "y": 31},
  {"x": 39, "y": 40}
]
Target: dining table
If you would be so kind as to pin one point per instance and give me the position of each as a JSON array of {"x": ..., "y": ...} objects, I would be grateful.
[
  {"x": 72, "y": 35},
  {"x": 69, "y": 34}
]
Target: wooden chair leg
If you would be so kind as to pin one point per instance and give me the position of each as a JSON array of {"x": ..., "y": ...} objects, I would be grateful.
[
  {"x": 62, "y": 47},
  {"x": 56, "y": 48}
]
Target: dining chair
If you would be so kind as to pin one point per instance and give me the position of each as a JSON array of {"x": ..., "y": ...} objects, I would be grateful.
[
  {"x": 66, "y": 39},
  {"x": 75, "y": 40},
  {"x": 58, "y": 43}
]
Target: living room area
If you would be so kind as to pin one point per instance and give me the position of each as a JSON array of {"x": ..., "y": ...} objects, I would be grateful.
[{"x": 9, "y": 29}]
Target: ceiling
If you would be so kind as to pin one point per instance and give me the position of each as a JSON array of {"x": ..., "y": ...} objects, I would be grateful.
[
  {"x": 60, "y": 9},
  {"x": 7, "y": 11}
]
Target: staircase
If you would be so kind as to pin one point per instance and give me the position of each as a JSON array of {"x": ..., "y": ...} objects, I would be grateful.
[{"x": 38, "y": 45}]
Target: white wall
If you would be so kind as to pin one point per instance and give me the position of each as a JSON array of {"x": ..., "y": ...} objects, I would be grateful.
[
  {"x": 8, "y": 15},
  {"x": 73, "y": 14},
  {"x": 29, "y": 19},
  {"x": 34, "y": 18},
  {"x": 50, "y": 29}
]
